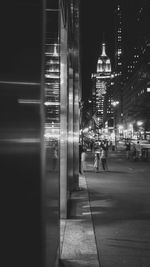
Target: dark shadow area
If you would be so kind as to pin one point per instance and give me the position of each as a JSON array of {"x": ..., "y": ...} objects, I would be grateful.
[{"x": 107, "y": 209}]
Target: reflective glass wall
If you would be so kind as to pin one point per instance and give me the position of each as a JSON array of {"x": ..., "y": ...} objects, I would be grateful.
[
  {"x": 69, "y": 99},
  {"x": 39, "y": 126},
  {"x": 20, "y": 132},
  {"x": 51, "y": 131}
]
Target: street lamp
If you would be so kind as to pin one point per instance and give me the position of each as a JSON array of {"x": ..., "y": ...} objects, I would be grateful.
[
  {"x": 139, "y": 123},
  {"x": 115, "y": 104}
]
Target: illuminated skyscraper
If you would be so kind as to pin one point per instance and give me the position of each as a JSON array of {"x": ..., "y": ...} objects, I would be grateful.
[
  {"x": 132, "y": 44},
  {"x": 119, "y": 52},
  {"x": 100, "y": 82},
  {"x": 118, "y": 39},
  {"x": 132, "y": 36}
]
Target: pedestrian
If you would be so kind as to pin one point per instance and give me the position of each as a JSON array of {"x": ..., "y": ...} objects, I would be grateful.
[
  {"x": 113, "y": 145},
  {"x": 110, "y": 145},
  {"x": 54, "y": 155},
  {"x": 91, "y": 146},
  {"x": 103, "y": 157},
  {"x": 128, "y": 147},
  {"x": 138, "y": 150},
  {"x": 83, "y": 158},
  {"x": 97, "y": 159},
  {"x": 133, "y": 152},
  {"x": 80, "y": 153}
]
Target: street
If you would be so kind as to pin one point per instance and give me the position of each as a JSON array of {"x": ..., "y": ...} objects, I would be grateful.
[{"x": 120, "y": 205}]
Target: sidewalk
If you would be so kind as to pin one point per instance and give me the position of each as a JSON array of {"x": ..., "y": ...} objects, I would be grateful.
[{"x": 78, "y": 243}]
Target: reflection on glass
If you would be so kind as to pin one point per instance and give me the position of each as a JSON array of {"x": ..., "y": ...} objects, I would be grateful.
[{"x": 51, "y": 104}]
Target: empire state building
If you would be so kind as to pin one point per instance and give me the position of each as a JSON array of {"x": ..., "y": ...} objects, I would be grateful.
[{"x": 100, "y": 81}]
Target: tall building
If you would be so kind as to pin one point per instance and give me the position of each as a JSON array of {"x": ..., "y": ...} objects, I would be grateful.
[
  {"x": 39, "y": 116},
  {"x": 119, "y": 31},
  {"x": 137, "y": 75},
  {"x": 100, "y": 81},
  {"x": 131, "y": 35},
  {"x": 118, "y": 39},
  {"x": 137, "y": 104},
  {"x": 137, "y": 35},
  {"x": 132, "y": 43},
  {"x": 132, "y": 39}
]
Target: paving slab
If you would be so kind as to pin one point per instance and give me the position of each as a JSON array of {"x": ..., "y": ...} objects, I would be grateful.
[{"x": 78, "y": 243}]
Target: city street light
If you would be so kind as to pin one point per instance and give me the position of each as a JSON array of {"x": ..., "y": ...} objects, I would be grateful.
[
  {"x": 115, "y": 104},
  {"x": 139, "y": 123}
]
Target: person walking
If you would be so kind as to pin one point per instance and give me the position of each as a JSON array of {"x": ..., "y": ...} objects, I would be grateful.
[
  {"x": 103, "y": 157},
  {"x": 83, "y": 158},
  {"x": 55, "y": 155},
  {"x": 80, "y": 153},
  {"x": 138, "y": 150},
  {"x": 113, "y": 145},
  {"x": 128, "y": 146},
  {"x": 133, "y": 152},
  {"x": 97, "y": 159}
]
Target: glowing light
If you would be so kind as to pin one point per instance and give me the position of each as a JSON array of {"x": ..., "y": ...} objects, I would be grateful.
[
  {"x": 21, "y": 140},
  {"x": 130, "y": 125},
  {"x": 115, "y": 103},
  {"x": 85, "y": 130},
  {"x": 120, "y": 127},
  {"x": 52, "y": 103},
  {"x": 139, "y": 123},
  {"x": 19, "y": 83},
  {"x": 28, "y": 101}
]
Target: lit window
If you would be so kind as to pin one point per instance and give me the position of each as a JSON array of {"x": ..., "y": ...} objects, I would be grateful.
[{"x": 148, "y": 89}]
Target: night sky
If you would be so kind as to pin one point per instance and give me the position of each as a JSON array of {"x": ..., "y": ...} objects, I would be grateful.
[{"x": 96, "y": 20}]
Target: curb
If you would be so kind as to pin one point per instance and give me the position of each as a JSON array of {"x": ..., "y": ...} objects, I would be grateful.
[{"x": 78, "y": 247}]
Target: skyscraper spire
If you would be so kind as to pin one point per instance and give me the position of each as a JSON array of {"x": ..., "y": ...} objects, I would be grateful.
[
  {"x": 103, "y": 46},
  {"x": 103, "y": 64},
  {"x": 103, "y": 50}
]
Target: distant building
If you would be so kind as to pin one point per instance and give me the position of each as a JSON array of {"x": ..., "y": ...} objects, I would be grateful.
[
  {"x": 132, "y": 43},
  {"x": 100, "y": 83}
]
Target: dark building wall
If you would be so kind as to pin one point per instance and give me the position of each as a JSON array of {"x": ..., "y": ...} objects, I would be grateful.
[
  {"x": 50, "y": 98},
  {"x": 20, "y": 160},
  {"x": 137, "y": 98}
]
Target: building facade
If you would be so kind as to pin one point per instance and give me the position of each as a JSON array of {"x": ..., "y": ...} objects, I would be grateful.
[
  {"x": 39, "y": 88},
  {"x": 100, "y": 82},
  {"x": 132, "y": 56}
]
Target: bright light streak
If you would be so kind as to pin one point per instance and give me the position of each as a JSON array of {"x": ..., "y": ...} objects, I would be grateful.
[
  {"x": 19, "y": 83},
  {"x": 21, "y": 140},
  {"x": 52, "y": 103},
  {"x": 28, "y": 101}
]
